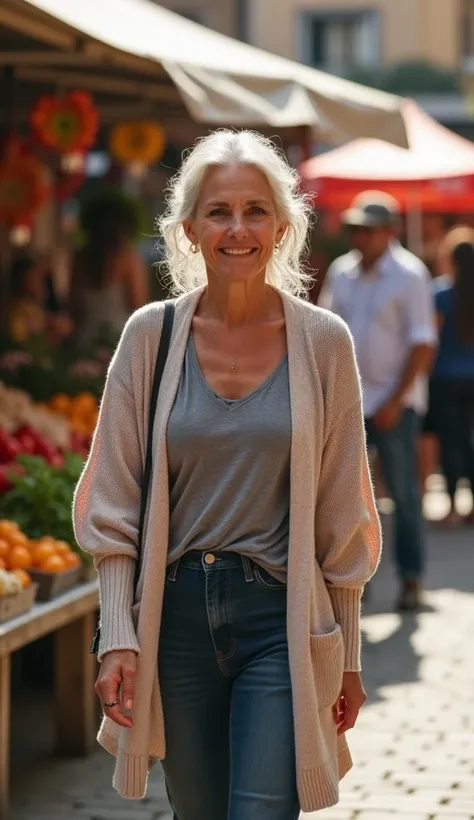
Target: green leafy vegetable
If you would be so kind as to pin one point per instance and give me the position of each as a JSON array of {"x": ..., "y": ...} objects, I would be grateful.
[{"x": 41, "y": 499}]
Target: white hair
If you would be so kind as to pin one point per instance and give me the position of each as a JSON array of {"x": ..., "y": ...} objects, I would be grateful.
[{"x": 186, "y": 270}]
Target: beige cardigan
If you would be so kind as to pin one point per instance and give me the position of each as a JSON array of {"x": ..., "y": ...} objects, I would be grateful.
[{"x": 334, "y": 544}]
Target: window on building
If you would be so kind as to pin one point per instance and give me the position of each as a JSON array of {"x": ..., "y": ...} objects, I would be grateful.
[
  {"x": 339, "y": 42},
  {"x": 467, "y": 35}
]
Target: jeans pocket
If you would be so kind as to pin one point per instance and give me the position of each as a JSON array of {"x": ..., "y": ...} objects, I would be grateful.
[
  {"x": 266, "y": 580},
  {"x": 327, "y": 657}
]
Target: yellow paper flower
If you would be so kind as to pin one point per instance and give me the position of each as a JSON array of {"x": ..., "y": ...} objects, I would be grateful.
[{"x": 137, "y": 142}]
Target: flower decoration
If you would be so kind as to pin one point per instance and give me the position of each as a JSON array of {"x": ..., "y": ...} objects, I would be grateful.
[
  {"x": 137, "y": 142},
  {"x": 22, "y": 185},
  {"x": 65, "y": 124}
]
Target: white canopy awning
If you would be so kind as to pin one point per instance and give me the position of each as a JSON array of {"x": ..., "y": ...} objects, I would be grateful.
[{"x": 226, "y": 82}]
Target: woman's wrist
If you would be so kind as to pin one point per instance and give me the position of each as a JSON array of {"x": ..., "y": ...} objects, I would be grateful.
[{"x": 116, "y": 580}]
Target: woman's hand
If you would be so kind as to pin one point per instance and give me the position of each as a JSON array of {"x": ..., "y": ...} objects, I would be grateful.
[
  {"x": 116, "y": 684},
  {"x": 350, "y": 701}
]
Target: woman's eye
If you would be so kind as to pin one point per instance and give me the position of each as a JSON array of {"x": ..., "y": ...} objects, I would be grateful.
[
  {"x": 218, "y": 212},
  {"x": 255, "y": 209}
]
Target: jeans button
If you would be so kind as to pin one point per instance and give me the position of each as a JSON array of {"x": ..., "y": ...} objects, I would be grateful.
[{"x": 209, "y": 558}]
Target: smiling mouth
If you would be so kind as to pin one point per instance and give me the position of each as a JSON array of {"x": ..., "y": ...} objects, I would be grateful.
[{"x": 237, "y": 251}]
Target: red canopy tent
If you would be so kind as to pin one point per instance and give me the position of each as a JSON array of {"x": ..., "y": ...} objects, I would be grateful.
[{"x": 435, "y": 174}]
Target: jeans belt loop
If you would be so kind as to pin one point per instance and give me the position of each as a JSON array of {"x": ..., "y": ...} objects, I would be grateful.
[
  {"x": 248, "y": 571},
  {"x": 172, "y": 570}
]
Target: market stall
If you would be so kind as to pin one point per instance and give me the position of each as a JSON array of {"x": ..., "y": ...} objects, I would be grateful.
[
  {"x": 47, "y": 585},
  {"x": 131, "y": 79},
  {"x": 136, "y": 50},
  {"x": 436, "y": 172}
]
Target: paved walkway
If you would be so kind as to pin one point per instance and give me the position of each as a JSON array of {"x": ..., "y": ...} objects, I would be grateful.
[{"x": 414, "y": 743}]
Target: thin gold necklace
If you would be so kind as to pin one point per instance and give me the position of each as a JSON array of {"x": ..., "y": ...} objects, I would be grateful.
[{"x": 233, "y": 365}]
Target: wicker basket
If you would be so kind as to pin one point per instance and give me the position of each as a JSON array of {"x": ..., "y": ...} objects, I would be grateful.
[
  {"x": 11, "y": 606},
  {"x": 51, "y": 584}
]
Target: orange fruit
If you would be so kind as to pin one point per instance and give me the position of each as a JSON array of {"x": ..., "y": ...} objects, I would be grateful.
[
  {"x": 71, "y": 560},
  {"x": 23, "y": 577},
  {"x": 7, "y": 528},
  {"x": 3, "y": 563},
  {"x": 19, "y": 539},
  {"x": 4, "y": 548},
  {"x": 54, "y": 563},
  {"x": 78, "y": 425},
  {"x": 42, "y": 551},
  {"x": 62, "y": 548},
  {"x": 84, "y": 403},
  {"x": 19, "y": 558},
  {"x": 61, "y": 403}
]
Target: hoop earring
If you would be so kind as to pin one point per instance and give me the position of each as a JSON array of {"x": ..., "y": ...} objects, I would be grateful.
[{"x": 194, "y": 248}]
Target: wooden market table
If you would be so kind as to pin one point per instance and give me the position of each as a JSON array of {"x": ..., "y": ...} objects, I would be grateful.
[{"x": 71, "y": 617}]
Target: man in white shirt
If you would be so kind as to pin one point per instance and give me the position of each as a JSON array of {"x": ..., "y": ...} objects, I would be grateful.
[{"x": 383, "y": 293}]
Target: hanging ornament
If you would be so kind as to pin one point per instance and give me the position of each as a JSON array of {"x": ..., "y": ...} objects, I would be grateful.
[
  {"x": 20, "y": 235},
  {"x": 73, "y": 163},
  {"x": 137, "y": 143},
  {"x": 67, "y": 124},
  {"x": 22, "y": 184}
]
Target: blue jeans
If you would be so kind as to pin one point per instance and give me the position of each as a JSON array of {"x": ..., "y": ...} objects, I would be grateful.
[
  {"x": 397, "y": 449},
  {"x": 226, "y": 692}
]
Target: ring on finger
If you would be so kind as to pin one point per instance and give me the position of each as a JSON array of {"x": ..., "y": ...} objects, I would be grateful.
[{"x": 111, "y": 704}]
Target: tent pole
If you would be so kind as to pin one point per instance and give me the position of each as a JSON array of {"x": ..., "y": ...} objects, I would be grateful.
[
  {"x": 7, "y": 98},
  {"x": 305, "y": 141},
  {"x": 414, "y": 227}
]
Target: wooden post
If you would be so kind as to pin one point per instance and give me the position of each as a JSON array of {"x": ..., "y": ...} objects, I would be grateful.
[
  {"x": 306, "y": 141},
  {"x": 5, "y": 683},
  {"x": 7, "y": 101},
  {"x": 75, "y": 698}
]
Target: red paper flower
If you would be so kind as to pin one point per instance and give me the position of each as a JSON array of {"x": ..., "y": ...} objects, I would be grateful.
[
  {"x": 65, "y": 124},
  {"x": 22, "y": 186}
]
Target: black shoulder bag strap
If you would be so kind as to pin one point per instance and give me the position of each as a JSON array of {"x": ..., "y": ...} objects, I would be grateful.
[{"x": 161, "y": 358}]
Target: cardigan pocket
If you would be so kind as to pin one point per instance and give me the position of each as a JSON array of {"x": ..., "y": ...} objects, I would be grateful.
[{"x": 327, "y": 657}]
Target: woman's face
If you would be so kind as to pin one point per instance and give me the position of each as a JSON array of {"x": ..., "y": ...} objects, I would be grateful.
[{"x": 236, "y": 224}]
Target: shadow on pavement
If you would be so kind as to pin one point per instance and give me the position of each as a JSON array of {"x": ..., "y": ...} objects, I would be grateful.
[{"x": 390, "y": 660}]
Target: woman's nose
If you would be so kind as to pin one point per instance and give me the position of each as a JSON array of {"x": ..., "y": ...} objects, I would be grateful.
[{"x": 238, "y": 227}]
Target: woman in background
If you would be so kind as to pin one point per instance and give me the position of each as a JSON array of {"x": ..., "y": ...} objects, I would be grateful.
[
  {"x": 452, "y": 383},
  {"x": 109, "y": 278},
  {"x": 34, "y": 309}
]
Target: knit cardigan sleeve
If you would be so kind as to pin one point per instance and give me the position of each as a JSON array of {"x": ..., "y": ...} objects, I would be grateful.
[
  {"x": 107, "y": 498},
  {"x": 348, "y": 535}
]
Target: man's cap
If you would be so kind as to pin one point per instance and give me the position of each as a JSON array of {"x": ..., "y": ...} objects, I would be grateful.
[{"x": 372, "y": 209}]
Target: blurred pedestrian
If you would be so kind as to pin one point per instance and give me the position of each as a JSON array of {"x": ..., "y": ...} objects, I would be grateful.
[
  {"x": 383, "y": 293},
  {"x": 262, "y": 528},
  {"x": 109, "y": 279},
  {"x": 452, "y": 381},
  {"x": 31, "y": 311}
]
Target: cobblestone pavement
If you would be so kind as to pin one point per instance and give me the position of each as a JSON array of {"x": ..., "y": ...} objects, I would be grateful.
[{"x": 414, "y": 743}]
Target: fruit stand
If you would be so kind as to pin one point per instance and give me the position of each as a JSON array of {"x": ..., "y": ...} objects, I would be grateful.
[{"x": 47, "y": 585}]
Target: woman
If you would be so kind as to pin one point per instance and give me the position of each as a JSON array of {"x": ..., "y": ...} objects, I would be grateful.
[
  {"x": 109, "y": 278},
  {"x": 261, "y": 529},
  {"x": 452, "y": 380}
]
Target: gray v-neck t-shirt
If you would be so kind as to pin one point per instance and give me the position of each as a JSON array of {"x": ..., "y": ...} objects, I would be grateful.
[{"x": 229, "y": 468}]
